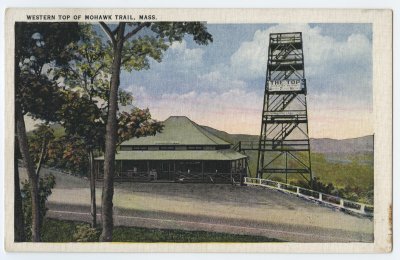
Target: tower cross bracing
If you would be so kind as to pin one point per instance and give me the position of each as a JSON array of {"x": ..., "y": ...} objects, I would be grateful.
[{"x": 284, "y": 143}]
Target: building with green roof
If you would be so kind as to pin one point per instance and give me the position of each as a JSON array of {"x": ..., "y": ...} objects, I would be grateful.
[{"x": 183, "y": 151}]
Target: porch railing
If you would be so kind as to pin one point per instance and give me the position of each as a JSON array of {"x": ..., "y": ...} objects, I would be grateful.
[{"x": 179, "y": 176}]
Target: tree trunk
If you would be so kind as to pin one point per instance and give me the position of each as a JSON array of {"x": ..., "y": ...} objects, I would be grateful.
[
  {"x": 19, "y": 222},
  {"x": 28, "y": 163},
  {"x": 92, "y": 190},
  {"x": 42, "y": 157},
  {"x": 111, "y": 139}
]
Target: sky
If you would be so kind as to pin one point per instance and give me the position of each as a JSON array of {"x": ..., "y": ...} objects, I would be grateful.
[{"x": 221, "y": 85}]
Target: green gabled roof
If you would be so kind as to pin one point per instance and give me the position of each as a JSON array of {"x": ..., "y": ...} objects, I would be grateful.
[
  {"x": 209, "y": 155},
  {"x": 179, "y": 130}
]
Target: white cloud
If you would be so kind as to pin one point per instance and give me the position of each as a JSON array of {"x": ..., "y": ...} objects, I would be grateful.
[
  {"x": 220, "y": 95},
  {"x": 179, "y": 56},
  {"x": 321, "y": 52}
]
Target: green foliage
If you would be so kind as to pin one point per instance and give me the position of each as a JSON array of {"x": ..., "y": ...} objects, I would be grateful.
[
  {"x": 174, "y": 31},
  {"x": 353, "y": 180},
  {"x": 61, "y": 151},
  {"x": 88, "y": 73},
  {"x": 85, "y": 233},
  {"x": 39, "y": 141},
  {"x": 58, "y": 230},
  {"x": 38, "y": 96},
  {"x": 45, "y": 42},
  {"x": 74, "y": 155},
  {"x": 136, "y": 52},
  {"x": 65, "y": 231},
  {"x": 137, "y": 123},
  {"x": 38, "y": 44},
  {"x": 83, "y": 118},
  {"x": 45, "y": 185},
  {"x": 85, "y": 112},
  {"x": 317, "y": 185},
  {"x": 125, "y": 234}
]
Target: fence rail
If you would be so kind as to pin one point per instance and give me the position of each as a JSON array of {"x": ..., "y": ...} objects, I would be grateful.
[{"x": 337, "y": 202}]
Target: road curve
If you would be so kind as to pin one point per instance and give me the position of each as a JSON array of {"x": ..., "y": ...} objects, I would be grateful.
[{"x": 209, "y": 207}]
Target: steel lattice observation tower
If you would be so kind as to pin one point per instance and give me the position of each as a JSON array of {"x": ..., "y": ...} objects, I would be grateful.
[{"x": 284, "y": 144}]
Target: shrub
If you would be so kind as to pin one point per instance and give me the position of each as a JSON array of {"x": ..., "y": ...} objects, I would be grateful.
[
  {"x": 85, "y": 233},
  {"x": 45, "y": 185}
]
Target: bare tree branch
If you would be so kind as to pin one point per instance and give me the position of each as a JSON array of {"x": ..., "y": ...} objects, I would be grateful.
[
  {"x": 136, "y": 30},
  {"x": 107, "y": 30}
]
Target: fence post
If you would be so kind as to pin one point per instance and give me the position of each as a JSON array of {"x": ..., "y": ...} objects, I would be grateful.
[
  {"x": 362, "y": 209},
  {"x": 341, "y": 203},
  {"x": 320, "y": 196},
  {"x": 259, "y": 180},
  {"x": 279, "y": 185},
  {"x": 298, "y": 190}
]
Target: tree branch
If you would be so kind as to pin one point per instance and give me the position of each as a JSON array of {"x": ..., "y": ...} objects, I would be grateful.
[
  {"x": 98, "y": 70},
  {"x": 107, "y": 30},
  {"x": 114, "y": 32},
  {"x": 129, "y": 57},
  {"x": 75, "y": 72},
  {"x": 136, "y": 30}
]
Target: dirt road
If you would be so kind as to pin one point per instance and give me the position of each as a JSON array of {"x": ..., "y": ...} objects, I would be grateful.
[{"x": 212, "y": 207}]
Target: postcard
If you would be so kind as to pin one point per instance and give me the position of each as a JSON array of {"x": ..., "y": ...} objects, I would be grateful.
[{"x": 198, "y": 130}]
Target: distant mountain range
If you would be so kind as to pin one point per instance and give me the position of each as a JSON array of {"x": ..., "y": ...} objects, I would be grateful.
[
  {"x": 318, "y": 145},
  {"x": 352, "y": 145}
]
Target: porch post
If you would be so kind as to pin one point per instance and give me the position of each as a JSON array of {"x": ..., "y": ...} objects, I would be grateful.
[
  {"x": 120, "y": 169},
  {"x": 173, "y": 176},
  {"x": 202, "y": 170},
  {"x": 241, "y": 173},
  {"x": 98, "y": 170}
]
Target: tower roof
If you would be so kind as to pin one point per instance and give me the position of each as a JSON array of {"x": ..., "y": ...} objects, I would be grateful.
[{"x": 179, "y": 130}]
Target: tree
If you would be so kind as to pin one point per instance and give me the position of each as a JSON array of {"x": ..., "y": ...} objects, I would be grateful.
[
  {"x": 39, "y": 144},
  {"x": 132, "y": 53},
  {"x": 36, "y": 93},
  {"x": 45, "y": 186},
  {"x": 19, "y": 220},
  {"x": 83, "y": 116}
]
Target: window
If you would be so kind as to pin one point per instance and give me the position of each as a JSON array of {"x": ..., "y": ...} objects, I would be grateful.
[
  {"x": 140, "y": 147},
  {"x": 220, "y": 147},
  {"x": 194, "y": 147},
  {"x": 167, "y": 147}
]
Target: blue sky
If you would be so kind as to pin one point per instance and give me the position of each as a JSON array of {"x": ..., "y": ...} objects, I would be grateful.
[{"x": 221, "y": 84}]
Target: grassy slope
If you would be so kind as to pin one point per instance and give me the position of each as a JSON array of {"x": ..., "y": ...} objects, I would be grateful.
[
  {"x": 63, "y": 231},
  {"x": 344, "y": 163}
]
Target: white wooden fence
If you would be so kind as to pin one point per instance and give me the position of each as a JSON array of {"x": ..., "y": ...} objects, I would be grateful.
[{"x": 334, "y": 201}]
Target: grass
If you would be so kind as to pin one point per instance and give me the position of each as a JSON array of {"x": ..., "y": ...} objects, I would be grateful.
[
  {"x": 63, "y": 231},
  {"x": 358, "y": 172},
  {"x": 351, "y": 172}
]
